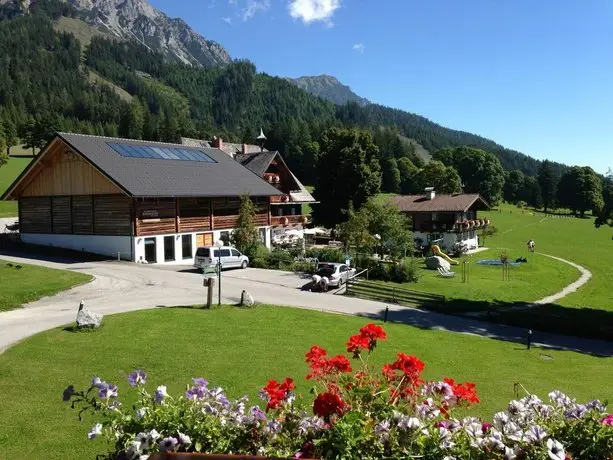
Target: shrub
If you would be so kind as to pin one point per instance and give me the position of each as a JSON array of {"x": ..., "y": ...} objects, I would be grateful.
[
  {"x": 359, "y": 411},
  {"x": 327, "y": 254},
  {"x": 302, "y": 266},
  {"x": 279, "y": 258},
  {"x": 407, "y": 271},
  {"x": 257, "y": 251},
  {"x": 380, "y": 272}
]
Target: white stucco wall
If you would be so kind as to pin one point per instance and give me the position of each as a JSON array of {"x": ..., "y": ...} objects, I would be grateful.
[
  {"x": 96, "y": 244},
  {"x": 449, "y": 239},
  {"x": 139, "y": 246}
]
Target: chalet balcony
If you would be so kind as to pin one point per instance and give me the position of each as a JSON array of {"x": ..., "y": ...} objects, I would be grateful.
[
  {"x": 284, "y": 221},
  {"x": 280, "y": 199},
  {"x": 451, "y": 227}
]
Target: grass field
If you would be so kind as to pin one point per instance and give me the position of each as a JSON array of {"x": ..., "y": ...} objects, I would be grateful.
[
  {"x": 573, "y": 239},
  {"x": 8, "y": 173},
  {"x": 540, "y": 277},
  {"x": 239, "y": 350},
  {"x": 25, "y": 283}
]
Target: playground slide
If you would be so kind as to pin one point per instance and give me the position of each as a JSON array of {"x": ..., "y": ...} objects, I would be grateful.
[{"x": 437, "y": 251}]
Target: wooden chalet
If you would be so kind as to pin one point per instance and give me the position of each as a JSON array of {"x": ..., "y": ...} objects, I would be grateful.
[
  {"x": 445, "y": 219},
  {"x": 137, "y": 200},
  {"x": 286, "y": 208}
]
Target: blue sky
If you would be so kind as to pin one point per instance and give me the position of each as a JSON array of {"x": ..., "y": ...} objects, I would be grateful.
[{"x": 533, "y": 75}]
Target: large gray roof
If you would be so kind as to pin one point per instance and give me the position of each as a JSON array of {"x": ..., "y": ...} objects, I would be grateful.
[
  {"x": 149, "y": 177},
  {"x": 256, "y": 162}
]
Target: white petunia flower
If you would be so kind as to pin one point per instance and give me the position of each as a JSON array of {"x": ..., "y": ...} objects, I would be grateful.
[
  {"x": 140, "y": 413},
  {"x": 95, "y": 432},
  {"x": 153, "y": 434},
  {"x": 555, "y": 450},
  {"x": 536, "y": 434},
  {"x": 184, "y": 439},
  {"x": 511, "y": 453}
]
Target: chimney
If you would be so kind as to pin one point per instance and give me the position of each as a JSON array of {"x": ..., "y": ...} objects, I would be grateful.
[
  {"x": 430, "y": 194},
  {"x": 244, "y": 148},
  {"x": 218, "y": 142}
]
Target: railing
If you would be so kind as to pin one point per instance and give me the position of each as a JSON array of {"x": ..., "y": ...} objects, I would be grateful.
[
  {"x": 289, "y": 220},
  {"x": 388, "y": 293}
]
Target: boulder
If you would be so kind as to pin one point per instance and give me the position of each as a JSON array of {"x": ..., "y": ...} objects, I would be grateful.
[
  {"x": 88, "y": 319},
  {"x": 436, "y": 262},
  {"x": 247, "y": 299}
]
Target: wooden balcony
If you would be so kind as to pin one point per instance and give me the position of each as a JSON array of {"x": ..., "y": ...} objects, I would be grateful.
[
  {"x": 451, "y": 227},
  {"x": 284, "y": 221}
]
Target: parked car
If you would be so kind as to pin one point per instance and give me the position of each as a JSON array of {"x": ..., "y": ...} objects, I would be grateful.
[
  {"x": 230, "y": 257},
  {"x": 336, "y": 274}
]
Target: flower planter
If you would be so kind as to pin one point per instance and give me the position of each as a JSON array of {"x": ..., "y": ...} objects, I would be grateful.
[{"x": 185, "y": 456}]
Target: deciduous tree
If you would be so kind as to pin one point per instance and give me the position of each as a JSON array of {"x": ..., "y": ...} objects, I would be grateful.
[
  {"x": 580, "y": 189},
  {"x": 514, "y": 186},
  {"x": 348, "y": 172},
  {"x": 444, "y": 179},
  {"x": 480, "y": 171},
  {"x": 547, "y": 182}
]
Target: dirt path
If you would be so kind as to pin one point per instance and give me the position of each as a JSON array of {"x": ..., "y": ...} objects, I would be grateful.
[{"x": 572, "y": 287}]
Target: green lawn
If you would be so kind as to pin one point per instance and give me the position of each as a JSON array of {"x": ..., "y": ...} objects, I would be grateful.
[
  {"x": 239, "y": 350},
  {"x": 25, "y": 283},
  {"x": 8, "y": 173},
  {"x": 540, "y": 277},
  {"x": 576, "y": 240}
]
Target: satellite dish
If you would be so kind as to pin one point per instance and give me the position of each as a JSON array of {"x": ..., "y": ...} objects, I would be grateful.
[{"x": 261, "y": 136}]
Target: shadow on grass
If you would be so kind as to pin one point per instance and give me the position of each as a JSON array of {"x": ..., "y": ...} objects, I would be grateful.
[
  {"x": 50, "y": 253},
  {"x": 585, "y": 330},
  {"x": 81, "y": 330}
]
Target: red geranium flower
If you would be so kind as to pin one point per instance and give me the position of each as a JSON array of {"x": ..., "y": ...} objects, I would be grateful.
[
  {"x": 410, "y": 366},
  {"x": 315, "y": 354},
  {"x": 373, "y": 332},
  {"x": 465, "y": 392},
  {"x": 340, "y": 363},
  {"x": 277, "y": 392},
  {"x": 356, "y": 344},
  {"x": 327, "y": 404}
]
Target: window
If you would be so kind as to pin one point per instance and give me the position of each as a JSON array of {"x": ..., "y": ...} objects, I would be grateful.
[
  {"x": 225, "y": 237},
  {"x": 435, "y": 216},
  {"x": 161, "y": 153},
  {"x": 225, "y": 253},
  {"x": 186, "y": 243},
  {"x": 262, "y": 232},
  {"x": 169, "y": 248},
  {"x": 235, "y": 253},
  {"x": 216, "y": 253},
  {"x": 202, "y": 252},
  {"x": 343, "y": 268}
]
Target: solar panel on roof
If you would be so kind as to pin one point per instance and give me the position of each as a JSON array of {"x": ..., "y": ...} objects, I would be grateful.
[{"x": 160, "y": 153}]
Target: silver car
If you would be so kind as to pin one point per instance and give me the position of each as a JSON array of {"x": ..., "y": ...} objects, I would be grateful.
[
  {"x": 335, "y": 273},
  {"x": 209, "y": 256}
]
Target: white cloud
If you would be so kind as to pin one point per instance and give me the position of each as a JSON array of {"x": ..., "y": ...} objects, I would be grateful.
[
  {"x": 227, "y": 20},
  {"x": 359, "y": 47},
  {"x": 314, "y": 10},
  {"x": 253, "y": 7}
]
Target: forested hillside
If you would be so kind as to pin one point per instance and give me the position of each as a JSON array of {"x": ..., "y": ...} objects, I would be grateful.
[{"x": 45, "y": 86}]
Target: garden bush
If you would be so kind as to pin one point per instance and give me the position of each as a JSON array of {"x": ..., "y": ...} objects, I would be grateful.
[
  {"x": 279, "y": 259},
  {"x": 355, "y": 412},
  {"x": 302, "y": 266},
  {"x": 406, "y": 271},
  {"x": 521, "y": 204},
  {"x": 381, "y": 272},
  {"x": 327, "y": 254}
]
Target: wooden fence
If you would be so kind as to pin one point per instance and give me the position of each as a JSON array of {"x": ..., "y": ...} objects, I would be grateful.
[{"x": 392, "y": 294}]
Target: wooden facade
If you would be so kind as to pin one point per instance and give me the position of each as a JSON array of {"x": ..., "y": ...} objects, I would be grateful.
[
  {"x": 76, "y": 215},
  {"x": 61, "y": 172},
  {"x": 64, "y": 194}
]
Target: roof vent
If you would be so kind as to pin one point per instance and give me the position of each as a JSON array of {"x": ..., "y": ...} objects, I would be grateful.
[{"x": 430, "y": 194}]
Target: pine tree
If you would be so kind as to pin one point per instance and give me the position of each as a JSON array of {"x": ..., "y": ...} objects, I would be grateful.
[{"x": 245, "y": 234}]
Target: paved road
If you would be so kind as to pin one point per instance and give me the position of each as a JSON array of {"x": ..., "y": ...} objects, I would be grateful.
[{"x": 121, "y": 287}]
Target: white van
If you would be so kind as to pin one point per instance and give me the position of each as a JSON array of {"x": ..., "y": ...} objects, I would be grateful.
[{"x": 208, "y": 256}]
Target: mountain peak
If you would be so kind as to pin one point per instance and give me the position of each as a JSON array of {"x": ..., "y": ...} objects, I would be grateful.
[
  {"x": 330, "y": 88},
  {"x": 138, "y": 20}
]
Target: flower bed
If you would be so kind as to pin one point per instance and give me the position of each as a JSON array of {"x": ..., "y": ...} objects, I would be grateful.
[{"x": 356, "y": 412}]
